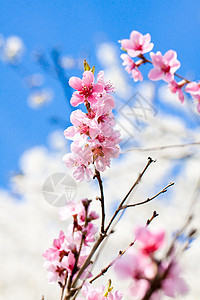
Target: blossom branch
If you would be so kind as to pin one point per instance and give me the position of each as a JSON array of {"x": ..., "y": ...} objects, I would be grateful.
[
  {"x": 165, "y": 66},
  {"x": 148, "y": 199},
  {"x": 86, "y": 204},
  {"x": 121, "y": 253},
  {"x": 87, "y": 261},
  {"x": 84, "y": 266},
  {"x": 145, "y": 60}
]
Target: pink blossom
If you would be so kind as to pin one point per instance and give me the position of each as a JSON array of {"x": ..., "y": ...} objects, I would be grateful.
[
  {"x": 79, "y": 165},
  {"x": 86, "y": 88},
  {"x": 138, "y": 268},
  {"x": 95, "y": 141},
  {"x": 193, "y": 88},
  {"x": 177, "y": 88},
  {"x": 131, "y": 67},
  {"x": 107, "y": 85},
  {"x": 174, "y": 284},
  {"x": 137, "y": 44},
  {"x": 149, "y": 242},
  {"x": 164, "y": 66},
  {"x": 60, "y": 258},
  {"x": 82, "y": 125},
  {"x": 58, "y": 245},
  {"x": 92, "y": 293},
  {"x": 56, "y": 271},
  {"x": 77, "y": 209}
]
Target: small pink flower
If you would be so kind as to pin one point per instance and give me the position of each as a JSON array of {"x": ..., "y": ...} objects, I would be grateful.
[
  {"x": 108, "y": 86},
  {"x": 86, "y": 88},
  {"x": 137, "y": 267},
  {"x": 131, "y": 67},
  {"x": 53, "y": 253},
  {"x": 174, "y": 284},
  {"x": 177, "y": 88},
  {"x": 92, "y": 293},
  {"x": 164, "y": 66},
  {"x": 193, "y": 88},
  {"x": 149, "y": 242},
  {"x": 137, "y": 44}
]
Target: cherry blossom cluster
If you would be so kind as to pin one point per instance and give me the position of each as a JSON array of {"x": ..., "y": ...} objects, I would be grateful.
[
  {"x": 69, "y": 251},
  {"x": 146, "y": 273},
  {"x": 95, "y": 141},
  {"x": 165, "y": 65}
]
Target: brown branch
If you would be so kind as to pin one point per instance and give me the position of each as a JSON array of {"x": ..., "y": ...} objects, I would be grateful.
[
  {"x": 104, "y": 270},
  {"x": 148, "y": 199},
  {"x": 103, "y": 235},
  {"x": 98, "y": 176},
  {"x": 150, "y": 160}
]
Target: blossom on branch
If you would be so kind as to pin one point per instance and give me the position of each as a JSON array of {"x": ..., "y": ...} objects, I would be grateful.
[
  {"x": 70, "y": 250},
  {"x": 193, "y": 88},
  {"x": 131, "y": 67},
  {"x": 164, "y": 65},
  {"x": 86, "y": 88},
  {"x": 148, "y": 275},
  {"x": 149, "y": 241},
  {"x": 95, "y": 141},
  {"x": 176, "y": 87},
  {"x": 138, "y": 44}
]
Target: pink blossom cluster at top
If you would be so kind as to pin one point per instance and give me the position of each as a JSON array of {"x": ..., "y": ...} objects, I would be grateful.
[
  {"x": 95, "y": 141},
  {"x": 165, "y": 65},
  {"x": 140, "y": 266},
  {"x": 61, "y": 257}
]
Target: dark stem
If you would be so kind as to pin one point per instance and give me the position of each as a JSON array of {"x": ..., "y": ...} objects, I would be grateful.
[
  {"x": 75, "y": 269},
  {"x": 98, "y": 176}
]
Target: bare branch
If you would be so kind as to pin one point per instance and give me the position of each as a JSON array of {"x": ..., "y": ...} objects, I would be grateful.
[
  {"x": 148, "y": 199},
  {"x": 98, "y": 176},
  {"x": 150, "y": 160},
  {"x": 161, "y": 147}
]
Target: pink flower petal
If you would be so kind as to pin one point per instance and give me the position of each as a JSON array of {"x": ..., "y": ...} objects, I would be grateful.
[
  {"x": 76, "y": 99},
  {"x": 75, "y": 83},
  {"x": 88, "y": 78},
  {"x": 155, "y": 74}
]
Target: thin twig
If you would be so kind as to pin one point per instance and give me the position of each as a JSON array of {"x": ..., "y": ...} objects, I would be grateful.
[
  {"x": 98, "y": 176},
  {"x": 150, "y": 160},
  {"x": 148, "y": 199},
  {"x": 104, "y": 270},
  {"x": 63, "y": 286},
  {"x": 162, "y": 147}
]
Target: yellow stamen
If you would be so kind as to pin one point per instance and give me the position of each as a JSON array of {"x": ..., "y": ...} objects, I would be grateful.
[{"x": 108, "y": 289}]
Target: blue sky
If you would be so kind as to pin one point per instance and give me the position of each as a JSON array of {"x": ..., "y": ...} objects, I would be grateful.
[{"x": 77, "y": 27}]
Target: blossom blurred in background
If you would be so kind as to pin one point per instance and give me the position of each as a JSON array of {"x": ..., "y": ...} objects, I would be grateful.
[{"x": 44, "y": 43}]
